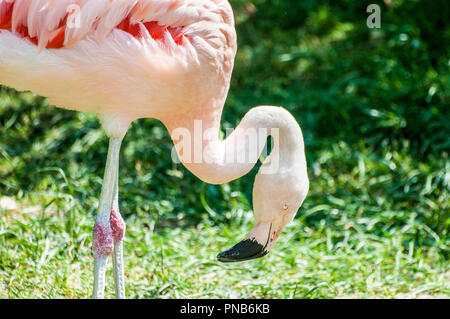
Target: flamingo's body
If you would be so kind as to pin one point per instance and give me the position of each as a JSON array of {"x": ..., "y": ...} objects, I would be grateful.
[
  {"x": 165, "y": 59},
  {"x": 106, "y": 68}
]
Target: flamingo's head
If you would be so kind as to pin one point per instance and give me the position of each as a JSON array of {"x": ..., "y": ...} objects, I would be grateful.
[{"x": 276, "y": 200}]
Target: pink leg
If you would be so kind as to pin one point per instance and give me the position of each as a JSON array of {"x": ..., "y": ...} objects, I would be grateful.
[
  {"x": 103, "y": 240},
  {"x": 103, "y": 246},
  {"x": 117, "y": 224},
  {"x": 118, "y": 230},
  {"x": 103, "y": 233},
  {"x": 109, "y": 239}
]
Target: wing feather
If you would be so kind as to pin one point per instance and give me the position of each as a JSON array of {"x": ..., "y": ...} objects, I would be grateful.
[{"x": 63, "y": 23}]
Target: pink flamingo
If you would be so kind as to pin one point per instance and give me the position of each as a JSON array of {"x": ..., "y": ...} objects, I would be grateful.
[{"x": 166, "y": 59}]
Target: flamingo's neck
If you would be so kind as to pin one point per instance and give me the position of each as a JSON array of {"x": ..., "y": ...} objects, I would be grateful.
[{"x": 218, "y": 161}]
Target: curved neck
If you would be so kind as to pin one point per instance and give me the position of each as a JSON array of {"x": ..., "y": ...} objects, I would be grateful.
[{"x": 217, "y": 161}]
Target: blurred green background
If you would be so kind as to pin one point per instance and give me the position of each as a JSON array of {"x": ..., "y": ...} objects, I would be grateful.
[{"x": 374, "y": 108}]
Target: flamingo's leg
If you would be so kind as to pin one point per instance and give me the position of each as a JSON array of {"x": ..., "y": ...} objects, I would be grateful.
[
  {"x": 102, "y": 234},
  {"x": 118, "y": 229}
]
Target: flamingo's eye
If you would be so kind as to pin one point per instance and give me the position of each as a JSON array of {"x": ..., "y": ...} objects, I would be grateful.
[{"x": 285, "y": 207}]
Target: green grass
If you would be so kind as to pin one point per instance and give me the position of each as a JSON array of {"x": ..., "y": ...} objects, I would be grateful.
[
  {"x": 47, "y": 254},
  {"x": 373, "y": 105}
]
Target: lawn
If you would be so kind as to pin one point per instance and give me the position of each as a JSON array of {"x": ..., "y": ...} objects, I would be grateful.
[{"x": 374, "y": 109}]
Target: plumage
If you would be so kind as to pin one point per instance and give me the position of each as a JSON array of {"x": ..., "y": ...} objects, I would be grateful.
[{"x": 100, "y": 64}]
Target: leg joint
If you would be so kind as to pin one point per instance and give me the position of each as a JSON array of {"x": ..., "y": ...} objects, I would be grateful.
[
  {"x": 103, "y": 240},
  {"x": 117, "y": 225}
]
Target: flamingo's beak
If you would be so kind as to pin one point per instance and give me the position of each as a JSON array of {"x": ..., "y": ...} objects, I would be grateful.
[{"x": 257, "y": 244}]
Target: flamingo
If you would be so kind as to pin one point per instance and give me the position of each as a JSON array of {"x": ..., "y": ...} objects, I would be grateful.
[{"x": 170, "y": 60}]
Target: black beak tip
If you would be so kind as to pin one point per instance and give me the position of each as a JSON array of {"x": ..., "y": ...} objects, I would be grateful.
[{"x": 246, "y": 250}]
